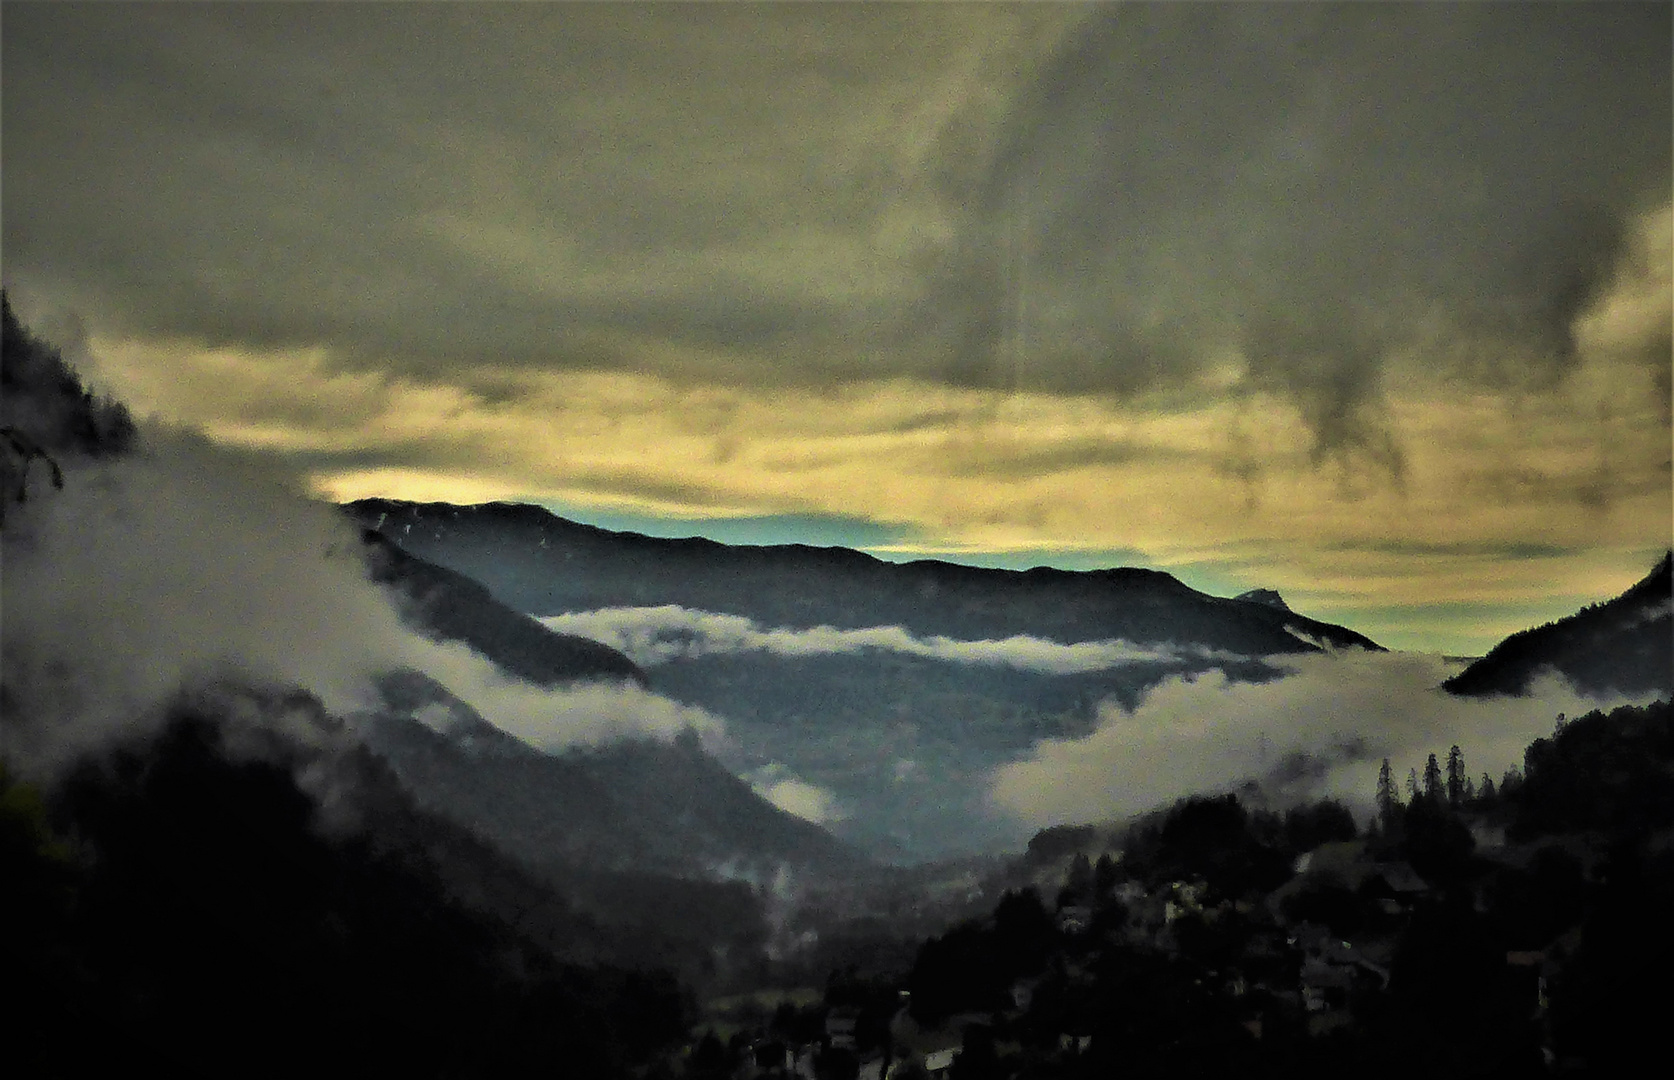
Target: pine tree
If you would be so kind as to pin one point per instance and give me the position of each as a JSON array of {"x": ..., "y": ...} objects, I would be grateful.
[
  {"x": 1412, "y": 786},
  {"x": 1456, "y": 778},
  {"x": 1104, "y": 877},
  {"x": 1078, "y": 886},
  {"x": 1486, "y": 791},
  {"x": 1386, "y": 796},
  {"x": 1433, "y": 780}
]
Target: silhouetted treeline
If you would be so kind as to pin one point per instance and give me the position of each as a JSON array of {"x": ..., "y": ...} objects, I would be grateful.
[
  {"x": 1204, "y": 950},
  {"x": 43, "y": 400},
  {"x": 1609, "y": 773}
]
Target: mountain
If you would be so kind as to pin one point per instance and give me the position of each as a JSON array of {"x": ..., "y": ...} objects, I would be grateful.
[
  {"x": 450, "y": 605},
  {"x": 629, "y": 854},
  {"x": 883, "y": 694},
  {"x": 638, "y": 805},
  {"x": 1270, "y": 597},
  {"x": 1625, "y": 645},
  {"x": 45, "y": 411},
  {"x": 544, "y": 565}
]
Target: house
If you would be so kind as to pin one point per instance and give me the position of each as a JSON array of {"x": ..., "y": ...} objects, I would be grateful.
[
  {"x": 1402, "y": 880},
  {"x": 1488, "y": 836},
  {"x": 1130, "y": 893},
  {"x": 1074, "y": 1044},
  {"x": 1075, "y": 919},
  {"x": 773, "y": 1055},
  {"x": 839, "y": 1027}
]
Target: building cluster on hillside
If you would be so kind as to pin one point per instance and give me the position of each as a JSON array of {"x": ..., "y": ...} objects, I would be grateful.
[
  {"x": 1500, "y": 934},
  {"x": 1269, "y": 961}
]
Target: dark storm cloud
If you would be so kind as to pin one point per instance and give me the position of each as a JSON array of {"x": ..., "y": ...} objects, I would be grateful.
[
  {"x": 741, "y": 193},
  {"x": 1317, "y": 185},
  {"x": 1509, "y": 550}
]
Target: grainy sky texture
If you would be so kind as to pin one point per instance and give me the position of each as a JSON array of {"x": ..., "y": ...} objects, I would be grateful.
[{"x": 1367, "y": 303}]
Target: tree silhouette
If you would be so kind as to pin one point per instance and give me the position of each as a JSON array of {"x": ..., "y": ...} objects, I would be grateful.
[
  {"x": 1385, "y": 797},
  {"x": 1456, "y": 777},
  {"x": 1432, "y": 779}
]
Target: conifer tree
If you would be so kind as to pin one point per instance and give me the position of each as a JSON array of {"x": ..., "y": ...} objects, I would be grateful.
[
  {"x": 1456, "y": 778},
  {"x": 1486, "y": 791},
  {"x": 1104, "y": 877},
  {"x": 1386, "y": 796},
  {"x": 1432, "y": 780},
  {"x": 1412, "y": 786}
]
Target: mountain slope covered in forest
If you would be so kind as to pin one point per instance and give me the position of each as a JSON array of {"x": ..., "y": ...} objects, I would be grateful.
[{"x": 1625, "y": 645}]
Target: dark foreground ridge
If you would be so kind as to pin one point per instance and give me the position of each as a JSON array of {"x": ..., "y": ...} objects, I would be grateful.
[{"x": 185, "y": 904}]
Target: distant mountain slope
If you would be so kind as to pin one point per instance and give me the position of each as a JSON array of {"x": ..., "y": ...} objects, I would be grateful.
[
  {"x": 1625, "y": 644},
  {"x": 641, "y": 805},
  {"x": 451, "y": 605},
  {"x": 544, "y": 565}
]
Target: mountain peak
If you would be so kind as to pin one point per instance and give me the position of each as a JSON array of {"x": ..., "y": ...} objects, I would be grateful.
[{"x": 1270, "y": 597}]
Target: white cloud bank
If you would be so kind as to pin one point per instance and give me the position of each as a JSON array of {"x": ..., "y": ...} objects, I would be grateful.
[
  {"x": 810, "y": 802},
  {"x": 656, "y": 635},
  {"x": 186, "y": 565},
  {"x": 1320, "y": 731}
]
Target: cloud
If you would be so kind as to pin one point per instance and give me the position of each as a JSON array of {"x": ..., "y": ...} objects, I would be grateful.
[
  {"x": 657, "y": 635},
  {"x": 1300, "y": 186},
  {"x": 1101, "y": 199},
  {"x": 796, "y": 796},
  {"x": 1319, "y": 731},
  {"x": 185, "y": 565}
]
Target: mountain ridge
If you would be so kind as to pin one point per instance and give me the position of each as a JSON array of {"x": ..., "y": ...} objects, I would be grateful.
[
  {"x": 1624, "y": 644},
  {"x": 543, "y": 564},
  {"x": 450, "y": 605}
]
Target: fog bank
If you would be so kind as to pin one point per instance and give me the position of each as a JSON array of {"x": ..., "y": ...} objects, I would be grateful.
[
  {"x": 183, "y": 564},
  {"x": 1319, "y": 731},
  {"x": 656, "y": 635}
]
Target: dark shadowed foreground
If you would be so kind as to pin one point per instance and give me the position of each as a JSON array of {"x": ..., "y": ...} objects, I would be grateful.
[{"x": 185, "y": 904}]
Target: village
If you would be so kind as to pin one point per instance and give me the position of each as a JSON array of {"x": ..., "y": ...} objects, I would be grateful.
[{"x": 1222, "y": 938}]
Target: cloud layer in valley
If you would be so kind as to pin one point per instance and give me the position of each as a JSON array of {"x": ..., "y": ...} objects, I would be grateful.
[
  {"x": 183, "y": 565},
  {"x": 1319, "y": 731},
  {"x": 657, "y": 635},
  {"x": 776, "y": 783}
]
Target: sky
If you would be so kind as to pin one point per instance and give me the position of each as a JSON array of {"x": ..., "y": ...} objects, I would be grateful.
[{"x": 1369, "y": 304}]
